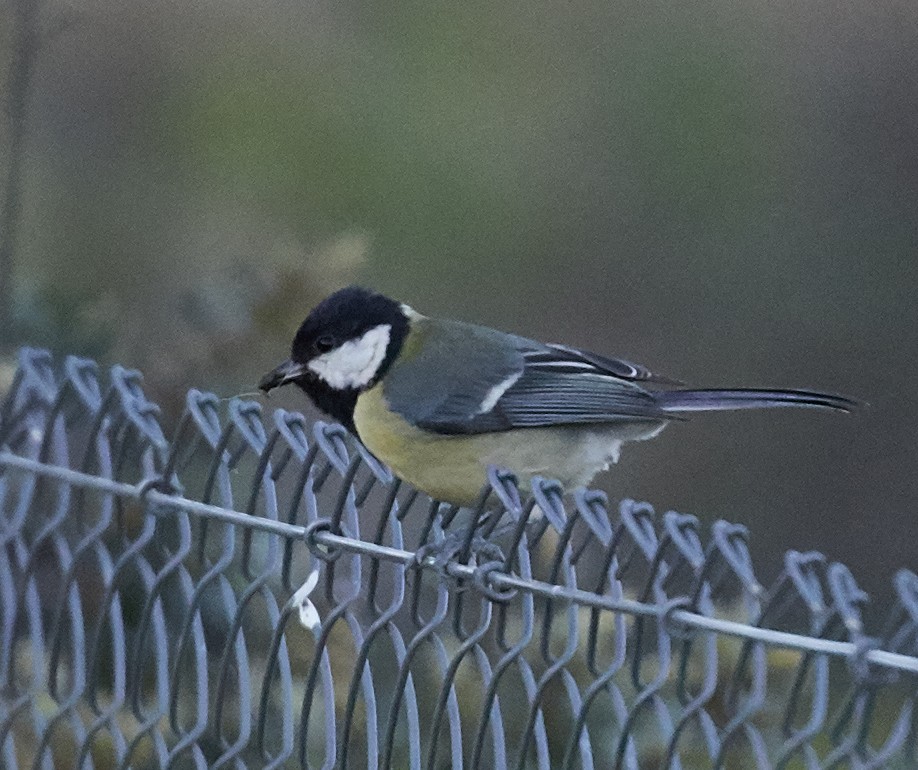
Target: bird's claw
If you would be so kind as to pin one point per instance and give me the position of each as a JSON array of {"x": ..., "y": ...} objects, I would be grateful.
[{"x": 438, "y": 555}]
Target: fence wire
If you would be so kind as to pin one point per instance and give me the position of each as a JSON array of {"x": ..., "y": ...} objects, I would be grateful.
[{"x": 260, "y": 592}]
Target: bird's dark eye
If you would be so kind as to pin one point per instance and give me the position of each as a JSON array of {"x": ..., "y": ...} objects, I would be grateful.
[{"x": 325, "y": 343}]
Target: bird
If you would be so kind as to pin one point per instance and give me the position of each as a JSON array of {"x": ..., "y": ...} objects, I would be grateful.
[{"x": 441, "y": 401}]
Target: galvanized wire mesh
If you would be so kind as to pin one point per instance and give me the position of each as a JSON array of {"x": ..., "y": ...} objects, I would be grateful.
[{"x": 259, "y": 592}]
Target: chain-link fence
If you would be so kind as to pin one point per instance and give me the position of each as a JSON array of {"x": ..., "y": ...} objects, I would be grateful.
[{"x": 260, "y": 592}]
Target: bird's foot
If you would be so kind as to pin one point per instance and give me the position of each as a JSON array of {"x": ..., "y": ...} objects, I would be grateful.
[{"x": 438, "y": 555}]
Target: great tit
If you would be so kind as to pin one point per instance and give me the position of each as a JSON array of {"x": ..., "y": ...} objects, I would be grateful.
[{"x": 439, "y": 401}]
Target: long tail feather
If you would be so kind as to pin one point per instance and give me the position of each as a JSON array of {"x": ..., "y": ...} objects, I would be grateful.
[{"x": 720, "y": 400}]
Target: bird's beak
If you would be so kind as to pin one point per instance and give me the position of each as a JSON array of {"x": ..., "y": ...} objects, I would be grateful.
[{"x": 286, "y": 372}]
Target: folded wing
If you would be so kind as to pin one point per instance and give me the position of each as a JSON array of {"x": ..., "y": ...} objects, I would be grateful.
[{"x": 485, "y": 381}]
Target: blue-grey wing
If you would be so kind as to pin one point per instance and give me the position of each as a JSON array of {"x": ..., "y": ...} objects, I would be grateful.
[
  {"x": 468, "y": 379},
  {"x": 541, "y": 398},
  {"x": 568, "y": 360},
  {"x": 448, "y": 372}
]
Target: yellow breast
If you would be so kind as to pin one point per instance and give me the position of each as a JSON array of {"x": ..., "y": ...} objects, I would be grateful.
[
  {"x": 445, "y": 467},
  {"x": 454, "y": 468}
]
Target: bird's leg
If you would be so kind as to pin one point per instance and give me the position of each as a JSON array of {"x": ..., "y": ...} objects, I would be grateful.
[{"x": 465, "y": 544}]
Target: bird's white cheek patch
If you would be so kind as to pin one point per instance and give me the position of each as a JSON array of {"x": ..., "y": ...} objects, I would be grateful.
[{"x": 355, "y": 363}]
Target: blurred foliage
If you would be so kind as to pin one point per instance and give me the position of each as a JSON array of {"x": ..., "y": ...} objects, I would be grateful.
[{"x": 725, "y": 191}]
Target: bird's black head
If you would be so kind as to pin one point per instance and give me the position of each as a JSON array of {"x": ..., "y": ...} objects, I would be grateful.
[{"x": 344, "y": 346}]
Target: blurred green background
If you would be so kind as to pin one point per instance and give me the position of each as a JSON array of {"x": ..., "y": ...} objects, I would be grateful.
[{"x": 724, "y": 191}]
